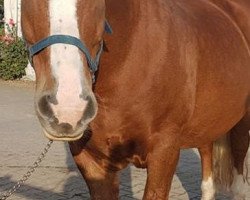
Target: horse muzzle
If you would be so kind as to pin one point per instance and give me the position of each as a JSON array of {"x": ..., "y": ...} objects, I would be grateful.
[{"x": 64, "y": 123}]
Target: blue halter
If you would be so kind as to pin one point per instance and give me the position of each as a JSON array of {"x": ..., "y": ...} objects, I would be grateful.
[{"x": 67, "y": 39}]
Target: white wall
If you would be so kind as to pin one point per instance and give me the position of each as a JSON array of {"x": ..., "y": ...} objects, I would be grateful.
[{"x": 12, "y": 10}]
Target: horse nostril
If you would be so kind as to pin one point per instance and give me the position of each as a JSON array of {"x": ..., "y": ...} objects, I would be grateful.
[
  {"x": 44, "y": 107},
  {"x": 90, "y": 109},
  {"x": 85, "y": 97},
  {"x": 51, "y": 99}
]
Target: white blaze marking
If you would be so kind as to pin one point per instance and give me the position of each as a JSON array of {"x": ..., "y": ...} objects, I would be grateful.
[
  {"x": 66, "y": 63},
  {"x": 208, "y": 189},
  {"x": 239, "y": 186}
]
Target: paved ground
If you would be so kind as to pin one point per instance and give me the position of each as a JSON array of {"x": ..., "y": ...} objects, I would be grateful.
[{"x": 57, "y": 178}]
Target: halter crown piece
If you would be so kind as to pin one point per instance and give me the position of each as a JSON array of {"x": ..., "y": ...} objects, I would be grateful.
[{"x": 67, "y": 39}]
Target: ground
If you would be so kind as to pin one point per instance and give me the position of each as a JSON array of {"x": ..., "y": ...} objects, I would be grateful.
[{"x": 58, "y": 178}]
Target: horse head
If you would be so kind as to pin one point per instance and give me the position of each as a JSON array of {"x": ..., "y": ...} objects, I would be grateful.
[{"x": 65, "y": 40}]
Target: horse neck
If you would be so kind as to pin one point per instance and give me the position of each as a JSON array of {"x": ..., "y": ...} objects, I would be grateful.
[
  {"x": 129, "y": 59},
  {"x": 130, "y": 13},
  {"x": 135, "y": 24}
]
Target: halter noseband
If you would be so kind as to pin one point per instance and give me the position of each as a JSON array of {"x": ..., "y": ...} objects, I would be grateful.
[{"x": 67, "y": 39}]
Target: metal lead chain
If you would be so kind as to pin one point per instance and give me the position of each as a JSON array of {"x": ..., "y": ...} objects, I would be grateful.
[{"x": 26, "y": 176}]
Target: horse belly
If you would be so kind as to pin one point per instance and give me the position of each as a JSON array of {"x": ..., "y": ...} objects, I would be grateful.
[
  {"x": 222, "y": 80},
  {"x": 221, "y": 101}
]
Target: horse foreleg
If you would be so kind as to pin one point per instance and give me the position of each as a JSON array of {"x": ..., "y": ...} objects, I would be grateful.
[
  {"x": 161, "y": 165},
  {"x": 207, "y": 186},
  {"x": 102, "y": 183}
]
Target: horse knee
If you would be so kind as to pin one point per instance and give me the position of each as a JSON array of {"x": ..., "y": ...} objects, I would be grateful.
[
  {"x": 161, "y": 165},
  {"x": 102, "y": 183}
]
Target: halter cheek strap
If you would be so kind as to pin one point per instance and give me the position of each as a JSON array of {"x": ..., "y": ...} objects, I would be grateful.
[{"x": 67, "y": 39}]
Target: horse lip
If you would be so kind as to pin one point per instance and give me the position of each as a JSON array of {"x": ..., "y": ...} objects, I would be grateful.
[{"x": 62, "y": 138}]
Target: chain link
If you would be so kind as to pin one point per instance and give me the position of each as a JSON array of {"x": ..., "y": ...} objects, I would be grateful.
[{"x": 26, "y": 176}]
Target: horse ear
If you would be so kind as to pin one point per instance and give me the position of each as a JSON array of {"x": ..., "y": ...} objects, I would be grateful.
[{"x": 108, "y": 28}]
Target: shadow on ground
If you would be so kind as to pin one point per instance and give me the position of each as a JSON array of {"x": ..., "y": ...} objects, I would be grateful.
[
  {"x": 188, "y": 172},
  {"x": 79, "y": 191}
]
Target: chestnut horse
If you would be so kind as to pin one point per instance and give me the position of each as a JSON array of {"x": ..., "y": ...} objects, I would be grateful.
[{"x": 174, "y": 74}]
